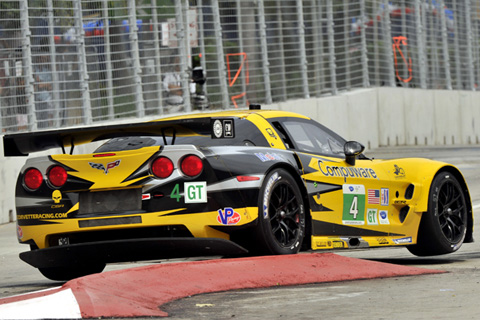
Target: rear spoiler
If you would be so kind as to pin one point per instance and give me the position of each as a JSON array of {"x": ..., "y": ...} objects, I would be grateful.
[{"x": 22, "y": 144}]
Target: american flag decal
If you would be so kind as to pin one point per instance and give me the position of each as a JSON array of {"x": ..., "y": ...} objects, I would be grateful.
[{"x": 373, "y": 196}]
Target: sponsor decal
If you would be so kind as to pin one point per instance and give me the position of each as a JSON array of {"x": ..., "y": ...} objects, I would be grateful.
[
  {"x": 382, "y": 240},
  {"x": 353, "y": 204},
  {"x": 109, "y": 166},
  {"x": 228, "y": 128},
  {"x": 195, "y": 192},
  {"x": 403, "y": 240},
  {"x": 373, "y": 196},
  {"x": 228, "y": 216},
  {"x": 146, "y": 196},
  {"x": 266, "y": 199},
  {"x": 222, "y": 128},
  {"x": 372, "y": 217},
  {"x": 384, "y": 192},
  {"x": 399, "y": 172},
  {"x": 42, "y": 216},
  {"x": 56, "y": 196},
  {"x": 264, "y": 157},
  {"x": 217, "y": 128},
  {"x": 19, "y": 232},
  {"x": 343, "y": 172},
  {"x": 271, "y": 133},
  {"x": 337, "y": 244},
  {"x": 323, "y": 244},
  {"x": 383, "y": 217}
]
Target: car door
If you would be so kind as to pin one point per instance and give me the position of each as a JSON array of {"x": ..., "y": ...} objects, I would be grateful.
[{"x": 349, "y": 204}]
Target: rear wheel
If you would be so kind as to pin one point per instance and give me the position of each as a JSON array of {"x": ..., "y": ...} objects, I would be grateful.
[
  {"x": 69, "y": 273},
  {"x": 443, "y": 228},
  {"x": 281, "y": 217}
]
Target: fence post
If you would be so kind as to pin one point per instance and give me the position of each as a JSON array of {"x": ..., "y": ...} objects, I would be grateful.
[
  {"x": 458, "y": 73},
  {"x": 421, "y": 49},
  {"x": 27, "y": 64},
  {"x": 331, "y": 47},
  {"x": 183, "y": 53},
  {"x": 263, "y": 45},
  {"x": 303, "y": 54},
  {"x": 201, "y": 40},
  {"x": 53, "y": 65},
  {"x": 317, "y": 46},
  {"x": 346, "y": 43},
  {"x": 137, "y": 68},
  {"x": 363, "y": 39},
  {"x": 240, "y": 46},
  {"x": 446, "y": 55},
  {"x": 82, "y": 57},
  {"x": 222, "y": 71},
  {"x": 281, "y": 53},
  {"x": 108, "y": 60},
  {"x": 388, "y": 45},
  {"x": 470, "y": 66}
]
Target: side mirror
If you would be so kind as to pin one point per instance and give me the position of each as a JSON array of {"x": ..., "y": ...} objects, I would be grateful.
[{"x": 352, "y": 149}]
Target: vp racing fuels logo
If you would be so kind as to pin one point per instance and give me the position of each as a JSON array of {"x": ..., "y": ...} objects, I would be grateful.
[
  {"x": 228, "y": 216},
  {"x": 100, "y": 166}
]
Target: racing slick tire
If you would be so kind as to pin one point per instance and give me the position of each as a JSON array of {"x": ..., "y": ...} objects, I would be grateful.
[
  {"x": 443, "y": 227},
  {"x": 69, "y": 273},
  {"x": 281, "y": 216}
]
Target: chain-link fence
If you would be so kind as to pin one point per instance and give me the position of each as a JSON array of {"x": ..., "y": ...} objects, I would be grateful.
[{"x": 76, "y": 62}]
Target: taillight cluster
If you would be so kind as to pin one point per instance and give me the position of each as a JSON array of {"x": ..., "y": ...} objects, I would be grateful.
[
  {"x": 56, "y": 176},
  {"x": 190, "y": 165}
]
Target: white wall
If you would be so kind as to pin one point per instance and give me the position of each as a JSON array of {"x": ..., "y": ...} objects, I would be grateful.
[
  {"x": 375, "y": 117},
  {"x": 395, "y": 116}
]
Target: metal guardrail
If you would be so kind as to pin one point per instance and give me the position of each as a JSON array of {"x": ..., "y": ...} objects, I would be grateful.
[{"x": 76, "y": 62}]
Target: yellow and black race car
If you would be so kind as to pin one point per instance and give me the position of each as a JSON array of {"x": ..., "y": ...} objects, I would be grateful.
[{"x": 226, "y": 183}]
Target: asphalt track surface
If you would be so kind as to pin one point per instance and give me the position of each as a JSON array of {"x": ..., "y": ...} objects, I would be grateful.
[{"x": 305, "y": 286}]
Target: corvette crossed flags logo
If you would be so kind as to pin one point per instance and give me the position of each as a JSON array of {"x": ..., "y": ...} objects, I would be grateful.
[{"x": 100, "y": 166}]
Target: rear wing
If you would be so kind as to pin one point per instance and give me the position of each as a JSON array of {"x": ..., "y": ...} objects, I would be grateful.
[{"x": 22, "y": 144}]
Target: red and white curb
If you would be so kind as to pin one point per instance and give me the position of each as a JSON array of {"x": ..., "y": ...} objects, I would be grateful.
[
  {"x": 141, "y": 291},
  {"x": 58, "y": 305}
]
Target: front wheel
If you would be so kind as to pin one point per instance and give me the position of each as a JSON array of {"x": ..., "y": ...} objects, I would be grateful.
[
  {"x": 443, "y": 227},
  {"x": 281, "y": 216}
]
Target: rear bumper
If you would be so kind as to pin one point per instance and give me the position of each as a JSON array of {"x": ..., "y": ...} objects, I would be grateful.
[{"x": 129, "y": 250}]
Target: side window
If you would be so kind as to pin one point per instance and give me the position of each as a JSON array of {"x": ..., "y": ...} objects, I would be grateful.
[{"x": 308, "y": 136}]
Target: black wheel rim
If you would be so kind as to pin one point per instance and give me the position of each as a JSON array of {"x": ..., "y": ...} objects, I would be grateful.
[
  {"x": 284, "y": 211},
  {"x": 452, "y": 212}
]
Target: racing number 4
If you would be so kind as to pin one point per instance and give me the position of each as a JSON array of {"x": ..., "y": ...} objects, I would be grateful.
[
  {"x": 354, "y": 207},
  {"x": 353, "y": 204},
  {"x": 176, "y": 193}
]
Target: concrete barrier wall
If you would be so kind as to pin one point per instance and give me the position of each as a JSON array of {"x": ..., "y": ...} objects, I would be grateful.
[{"x": 375, "y": 117}]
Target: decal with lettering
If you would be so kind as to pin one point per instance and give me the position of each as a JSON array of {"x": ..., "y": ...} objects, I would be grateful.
[
  {"x": 195, "y": 192},
  {"x": 343, "y": 172},
  {"x": 353, "y": 204},
  {"x": 228, "y": 216},
  {"x": 372, "y": 217}
]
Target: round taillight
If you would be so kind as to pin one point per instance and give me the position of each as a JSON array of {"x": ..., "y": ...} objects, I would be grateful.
[
  {"x": 33, "y": 178},
  {"x": 192, "y": 165},
  {"x": 162, "y": 167},
  {"x": 57, "y": 176}
]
